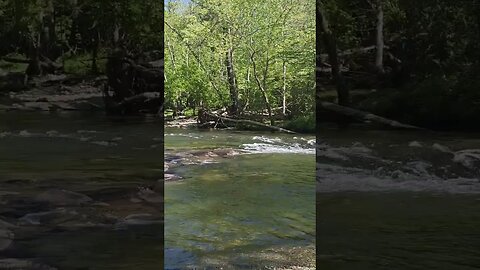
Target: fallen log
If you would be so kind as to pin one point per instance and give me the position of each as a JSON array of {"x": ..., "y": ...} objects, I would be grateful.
[
  {"x": 143, "y": 97},
  {"x": 363, "y": 116},
  {"x": 249, "y": 122},
  {"x": 139, "y": 101},
  {"x": 15, "y": 60}
]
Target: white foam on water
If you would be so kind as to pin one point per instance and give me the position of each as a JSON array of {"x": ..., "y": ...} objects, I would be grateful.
[
  {"x": 267, "y": 140},
  {"x": 104, "y": 143},
  {"x": 469, "y": 158},
  {"x": 415, "y": 144},
  {"x": 357, "y": 150},
  {"x": 332, "y": 178},
  {"x": 266, "y": 148},
  {"x": 5, "y": 134},
  {"x": 25, "y": 133},
  {"x": 441, "y": 148},
  {"x": 342, "y": 172}
]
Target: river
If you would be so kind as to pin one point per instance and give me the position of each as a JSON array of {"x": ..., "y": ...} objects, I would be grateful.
[
  {"x": 81, "y": 191},
  {"x": 397, "y": 200},
  {"x": 245, "y": 200}
]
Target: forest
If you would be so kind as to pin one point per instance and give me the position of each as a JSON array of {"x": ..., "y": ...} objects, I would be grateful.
[
  {"x": 43, "y": 41},
  {"x": 416, "y": 62},
  {"x": 251, "y": 60}
]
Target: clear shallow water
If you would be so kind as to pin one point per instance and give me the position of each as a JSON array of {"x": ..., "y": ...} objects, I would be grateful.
[
  {"x": 106, "y": 159},
  {"x": 226, "y": 211},
  {"x": 398, "y": 200}
]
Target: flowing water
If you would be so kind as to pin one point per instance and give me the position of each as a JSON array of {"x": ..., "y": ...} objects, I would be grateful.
[
  {"x": 114, "y": 162},
  {"x": 82, "y": 191},
  {"x": 398, "y": 200},
  {"x": 245, "y": 200}
]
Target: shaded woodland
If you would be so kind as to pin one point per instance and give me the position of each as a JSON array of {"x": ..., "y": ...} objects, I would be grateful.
[
  {"x": 416, "y": 62},
  {"x": 57, "y": 40}
]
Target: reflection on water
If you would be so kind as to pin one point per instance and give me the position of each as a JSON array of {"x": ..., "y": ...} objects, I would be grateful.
[
  {"x": 398, "y": 200},
  {"x": 253, "y": 208}
]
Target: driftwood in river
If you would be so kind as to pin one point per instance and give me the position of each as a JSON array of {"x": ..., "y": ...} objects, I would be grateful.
[
  {"x": 361, "y": 115},
  {"x": 205, "y": 116}
]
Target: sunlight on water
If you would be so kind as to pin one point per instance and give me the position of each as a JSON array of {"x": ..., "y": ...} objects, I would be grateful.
[{"x": 224, "y": 212}]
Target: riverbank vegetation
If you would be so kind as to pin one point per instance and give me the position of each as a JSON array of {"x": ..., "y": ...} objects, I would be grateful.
[
  {"x": 416, "y": 62},
  {"x": 82, "y": 38},
  {"x": 249, "y": 60}
]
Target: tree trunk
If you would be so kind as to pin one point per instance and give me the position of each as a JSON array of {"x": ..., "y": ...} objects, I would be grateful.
[
  {"x": 284, "y": 94},
  {"x": 379, "y": 38},
  {"x": 172, "y": 55},
  {"x": 262, "y": 89},
  {"x": 95, "y": 45},
  {"x": 73, "y": 42},
  {"x": 331, "y": 47},
  {"x": 232, "y": 83},
  {"x": 116, "y": 35},
  {"x": 48, "y": 30}
]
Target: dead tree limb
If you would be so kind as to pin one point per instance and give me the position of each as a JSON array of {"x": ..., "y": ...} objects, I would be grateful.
[
  {"x": 362, "y": 116},
  {"x": 249, "y": 122}
]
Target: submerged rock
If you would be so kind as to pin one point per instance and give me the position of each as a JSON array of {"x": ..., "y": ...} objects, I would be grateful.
[
  {"x": 6, "y": 238},
  {"x": 149, "y": 195},
  {"x": 172, "y": 177},
  {"x": 53, "y": 217},
  {"x": 58, "y": 197},
  {"x": 138, "y": 219}
]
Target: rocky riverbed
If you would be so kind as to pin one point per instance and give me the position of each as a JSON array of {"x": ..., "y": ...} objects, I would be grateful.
[{"x": 232, "y": 200}]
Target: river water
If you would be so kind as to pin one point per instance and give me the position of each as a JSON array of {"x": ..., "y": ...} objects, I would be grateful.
[
  {"x": 49, "y": 162},
  {"x": 246, "y": 200},
  {"x": 385, "y": 199},
  {"x": 83, "y": 191},
  {"x": 398, "y": 200}
]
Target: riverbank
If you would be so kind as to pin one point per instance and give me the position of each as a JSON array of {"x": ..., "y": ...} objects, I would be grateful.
[{"x": 56, "y": 93}]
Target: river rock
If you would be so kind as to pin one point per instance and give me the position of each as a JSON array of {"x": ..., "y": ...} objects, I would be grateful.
[
  {"x": 441, "y": 148},
  {"x": 139, "y": 219},
  {"x": 171, "y": 177},
  {"x": 53, "y": 217},
  {"x": 150, "y": 196},
  {"x": 6, "y": 225},
  {"x": 469, "y": 158},
  {"x": 19, "y": 264},
  {"x": 58, "y": 197},
  {"x": 6, "y": 239}
]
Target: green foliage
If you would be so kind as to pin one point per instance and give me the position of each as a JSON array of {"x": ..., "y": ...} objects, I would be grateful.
[
  {"x": 198, "y": 37},
  {"x": 78, "y": 27},
  {"x": 303, "y": 124}
]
